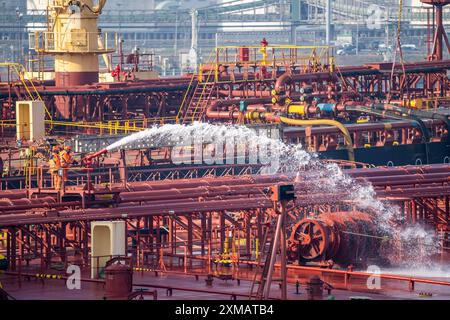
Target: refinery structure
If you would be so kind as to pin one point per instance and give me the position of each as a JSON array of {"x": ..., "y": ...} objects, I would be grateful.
[{"x": 223, "y": 149}]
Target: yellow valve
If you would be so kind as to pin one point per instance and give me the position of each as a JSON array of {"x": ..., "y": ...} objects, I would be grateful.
[
  {"x": 225, "y": 246},
  {"x": 200, "y": 73},
  {"x": 297, "y": 109},
  {"x": 263, "y": 51},
  {"x": 416, "y": 103}
]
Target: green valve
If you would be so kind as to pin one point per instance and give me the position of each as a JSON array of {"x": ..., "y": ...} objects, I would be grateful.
[{"x": 242, "y": 106}]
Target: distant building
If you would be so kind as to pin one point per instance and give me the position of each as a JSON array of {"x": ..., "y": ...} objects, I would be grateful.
[
  {"x": 10, "y": 6},
  {"x": 130, "y": 5},
  {"x": 183, "y": 4},
  {"x": 135, "y": 5},
  {"x": 36, "y": 4},
  {"x": 12, "y": 29}
]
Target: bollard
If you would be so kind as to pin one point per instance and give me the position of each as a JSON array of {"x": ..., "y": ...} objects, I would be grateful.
[
  {"x": 209, "y": 280},
  {"x": 315, "y": 288}
]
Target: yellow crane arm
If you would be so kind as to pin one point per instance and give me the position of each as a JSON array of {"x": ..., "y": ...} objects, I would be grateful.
[{"x": 99, "y": 7}]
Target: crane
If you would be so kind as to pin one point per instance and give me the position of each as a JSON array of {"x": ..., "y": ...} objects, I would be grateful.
[{"x": 72, "y": 36}]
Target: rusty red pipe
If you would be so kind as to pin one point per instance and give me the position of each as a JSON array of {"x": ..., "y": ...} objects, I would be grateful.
[
  {"x": 284, "y": 79},
  {"x": 214, "y": 112}
]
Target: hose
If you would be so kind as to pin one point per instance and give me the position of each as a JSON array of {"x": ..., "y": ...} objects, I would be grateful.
[{"x": 318, "y": 122}]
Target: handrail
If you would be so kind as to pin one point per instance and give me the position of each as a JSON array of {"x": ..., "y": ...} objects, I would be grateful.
[
  {"x": 180, "y": 110},
  {"x": 76, "y": 42},
  {"x": 284, "y": 46},
  {"x": 17, "y": 67},
  {"x": 114, "y": 126}
]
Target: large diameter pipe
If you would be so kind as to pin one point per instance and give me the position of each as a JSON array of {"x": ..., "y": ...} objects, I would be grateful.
[
  {"x": 13, "y": 194},
  {"x": 196, "y": 192}
]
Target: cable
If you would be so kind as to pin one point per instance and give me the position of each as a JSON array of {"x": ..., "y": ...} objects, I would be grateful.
[{"x": 398, "y": 47}]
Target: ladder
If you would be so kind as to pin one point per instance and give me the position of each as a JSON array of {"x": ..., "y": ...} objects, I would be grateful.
[
  {"x": 30, "y": 89},
  {"x": 199, "y": 102},
  {"x": 277, "y": 234},
  {"x": 263, "y": 270},
  {"x": 199, "y": 93}
]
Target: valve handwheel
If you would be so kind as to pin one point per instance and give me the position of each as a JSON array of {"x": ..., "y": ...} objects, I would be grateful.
[{"x": 312, "y": 239}]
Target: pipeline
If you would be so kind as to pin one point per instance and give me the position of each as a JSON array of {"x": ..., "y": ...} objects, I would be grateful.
[
  {"x": 123, "y": 90},
  {"x": 213, "y": 194},
  {"x": 416, "y": 114},
  {"x": 413, "y": 115},
  {"x": 255, "y": 105},
  {"x": 257, "y": 114},
  {"x": 213, "y": 112},
  {"x": 363, "y": 109},
  {"x": 284, "y": 79}
]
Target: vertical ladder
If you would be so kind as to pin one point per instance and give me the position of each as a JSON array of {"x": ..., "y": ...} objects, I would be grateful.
[
  {"x": 277, "y": 233},
  {"x": 264, "y": 270}
]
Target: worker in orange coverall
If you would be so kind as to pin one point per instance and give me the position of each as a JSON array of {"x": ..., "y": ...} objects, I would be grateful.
[
  {"x": 55, "y": 166},
  {"x": 67, "y": 161}
]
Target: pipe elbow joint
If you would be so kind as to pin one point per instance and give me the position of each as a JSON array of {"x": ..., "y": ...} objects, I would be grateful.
[{"x": 282, "y": 80}]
